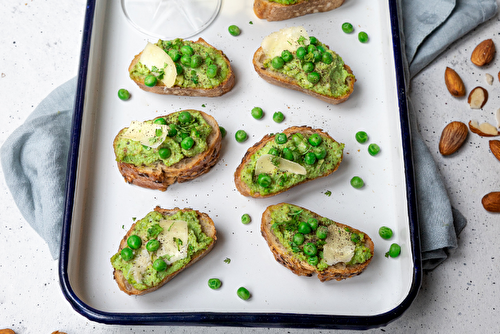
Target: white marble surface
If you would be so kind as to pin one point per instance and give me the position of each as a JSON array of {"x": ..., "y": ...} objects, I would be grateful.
[{"x": 40, "y": 45}]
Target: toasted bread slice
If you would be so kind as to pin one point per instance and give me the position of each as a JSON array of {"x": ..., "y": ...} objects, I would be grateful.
[
  {"x": 160, "y": 88},
  {"x": 272, "y": 11},
  {"x": 247, "y": 165},
  {"x": 207, "y": 227},
  {"x": 289, "y": 259},
  {"x": 279, "y": 79},
  {"x": 160, "y": 177}
]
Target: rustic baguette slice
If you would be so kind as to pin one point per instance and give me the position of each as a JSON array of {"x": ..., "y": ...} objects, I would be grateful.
[
  {"x": 281, "y": 80},
  {"x": 243, "y": 188},
  {"x": 207, "y": 226},
  {"x": 160, "y": 87},
  {"x": 339, "y": 271},
  {"x": 160, "y": 177},
  {"x": 272, "y": 11}
]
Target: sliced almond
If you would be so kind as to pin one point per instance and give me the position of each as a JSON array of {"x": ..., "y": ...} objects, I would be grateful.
[
  {"x": 495, "y": 148},
  {"x": 477, "y": 98},
  {"x": 489, "y": 78},
  {"x": 483, "y": 53},
  {"x": 497, "y": 116},
  {"x": 484, "y": 129},
  {"x": 452, "y": 138},
  {"x": 491, "y": 201},
  {"x": 454, "y": 83}
]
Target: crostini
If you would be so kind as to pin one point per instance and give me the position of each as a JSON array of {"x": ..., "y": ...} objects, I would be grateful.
[
  {"x": 284, "y": 160},
  {"x": 278, "y": 10},
  {"x": 292, "y": 59},
  {"x": 160, "y": 246},
  {"x": 182, "y": 67},
  {"x": 308, "y": 244},
  {"x": 174, "y": 148}
]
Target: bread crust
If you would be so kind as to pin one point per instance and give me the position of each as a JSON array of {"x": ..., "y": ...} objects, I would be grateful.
[
  {"x": 281, "y": 80},
  {"x": 273, "y": 11},
  {"x": 160, "y": 87},
  {"x": 242, "y": 186},
  {"x": 160, "y": 177},
  {"x": 207, "y": 226},
  {"x": 339, "y": 271}
]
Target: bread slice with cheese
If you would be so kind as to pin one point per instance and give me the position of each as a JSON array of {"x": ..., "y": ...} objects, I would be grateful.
[
  {"x": 185, "y": 236},
  {"x": 273, "y": 11},
  {"x": 175, "y": 77},
  {"x": 142, "y": 165},
  {"x": 344, "y": 252},
  {"x": 269, "y": 158},
  {"x": 325, "y": 76}
]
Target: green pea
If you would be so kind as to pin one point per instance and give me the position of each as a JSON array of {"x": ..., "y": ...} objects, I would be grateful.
[
  {"x": 385, "y": 232},
  {"x": 301, "y": 52},
  {"x": 321, "y": 48},
  {"x": 150, "y": 80},
  {"x": 243, "y": 293},
  {"x": 257, "y": 113},
  {"x": 273, "y": 151},
  {"x": 357, "y": 182},
  {"x": 160, "y": 121},
  {"x": 186, "y": 60},
  {"x": 311, "y": 48},
  {"x": 347, "y": 27},
  {"x": 373, "y": 149},
  {"x": 187, "y": 50},
  {"x": 212, "y": 71},
  {"x": 287, "y": 56},
  {"x": 313, "y": 77},
  {"x": 172, "y": 130},
  {"x": 278, "y": 117},
  {"x": 174, "y": 54},
  {"x": 123, "y": 94},
  {"x": 127, "y": 254},
  {"x": 363, "y": 37},
  {"x": 310, "y": 249},
  {"x": 187, "y": 143},
  {"x": 327, "y": 58},
  {"x": 322, "y": 232},
  {"x": 134, "y": 241},
  {"x": 310, "y": 158},
  {"x": 196, "y": 61},
  {"x": 308, "y": 67},
  {"x": 317, "y": 56},
  {"x": 234, "y": 30},
  {"x": 245, "y": 219},
  {"x": 361, "y": 137},
  {"x": 313, "y": 40},
  {"x": 280, "y": 138},
  {"x": 304, "y": 228},
  {"x": 152, "y": 245},
  {"x": 159, "y": 265},
  {"x": 179, "y": 68},
  {"x": 288, "y": 154},
  {"x": 240, "y": 136},
  {"x": 223, "y": 131},
  {"x": 298, "y": 238},
  {"x": 355, "y": 238},
  {"x": 315, "y": 139},
  {"x": 264, "y": 180},
  {"x": 214, "y": 283},
  {"x": 185, "y": 117},
  {"x": 313, "y": 222},
  {"x": 320, "y": 152},
  {"x": 277, "y": 62},
  {"x": 394, "y": 251},
  {"x": 164, "y": 152},
  {"x": 313, "y": 260}
]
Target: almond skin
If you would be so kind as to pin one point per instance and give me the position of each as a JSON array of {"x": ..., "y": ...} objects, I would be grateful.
[
  {"x": 483, "y": 53},
  {"x": 491, "y": 201},
  {"x": 454, "y": 83},
  {"x": 452, "y": 137},
  {"x": 495, "y": 148},
  {"x": 477, "y": 98}
]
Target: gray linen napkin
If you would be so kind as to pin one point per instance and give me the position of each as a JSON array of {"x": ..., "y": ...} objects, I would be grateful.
[{"x": 34, "y": 156}]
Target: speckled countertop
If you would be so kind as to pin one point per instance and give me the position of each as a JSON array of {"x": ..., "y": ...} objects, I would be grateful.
[{"x": 40, "y": 45}]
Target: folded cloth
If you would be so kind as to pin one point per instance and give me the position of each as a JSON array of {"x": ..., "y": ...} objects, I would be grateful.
[{"x": 34, "y": 157}]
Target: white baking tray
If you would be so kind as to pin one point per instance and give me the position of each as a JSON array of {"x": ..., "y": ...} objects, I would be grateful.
[{"x": 100, "y": 206}]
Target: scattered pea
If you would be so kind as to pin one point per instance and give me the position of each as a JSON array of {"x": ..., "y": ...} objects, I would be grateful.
[
  {"x": 257, "y": 113},
  {"x": 245, "y": 219},
  {"x": 373, "y": 149},
  {"x": 214, "y": 283},
  {"x": 357, "y": 182},
  {"x": 347, "y": 27},
  {"x": 361, "y": 137},
  {"x": 385, "y": 232},
  {"x": 123, "y": 94},
  {"x": 223, "y": 131},
  {"x": 240, "y": 136},
  {"x": 363, "y": 37},
  {"x": 278, "y": 117},
  {"x": 394, "y": 251},
  {"x": 234, "y": 30},
  {"x": 243, "y": 293}
]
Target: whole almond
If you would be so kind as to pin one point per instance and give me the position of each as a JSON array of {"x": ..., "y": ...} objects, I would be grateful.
[
  {"x": 454, "y": 83},
  {"x": 452, "y": 137},
  {"x": 491, "y": 201},
  {"x": 483, "y": 53},
  {"x": 495, "y": 148}
]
